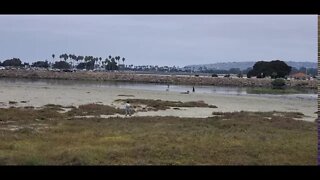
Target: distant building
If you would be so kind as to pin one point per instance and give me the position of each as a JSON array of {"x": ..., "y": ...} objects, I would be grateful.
[{"x": 299, "y": 75}]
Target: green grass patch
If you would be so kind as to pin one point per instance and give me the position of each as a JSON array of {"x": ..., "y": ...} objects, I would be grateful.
[{"x": 238, "y": 138}]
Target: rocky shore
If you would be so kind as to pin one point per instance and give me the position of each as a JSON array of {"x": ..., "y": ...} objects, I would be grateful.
[{"x": 151, "y": 78}]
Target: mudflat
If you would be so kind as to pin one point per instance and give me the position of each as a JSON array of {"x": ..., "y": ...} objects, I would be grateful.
[{"x": 38, "y": 95}]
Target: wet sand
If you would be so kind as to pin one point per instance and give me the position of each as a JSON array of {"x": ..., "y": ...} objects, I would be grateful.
[{"x": 38, "y": 95}]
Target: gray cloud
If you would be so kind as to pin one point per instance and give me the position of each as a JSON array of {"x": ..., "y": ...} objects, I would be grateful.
[{"x": 161, "y": 39}]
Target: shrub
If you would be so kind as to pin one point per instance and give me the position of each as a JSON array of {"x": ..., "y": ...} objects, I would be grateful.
[{"x": 278, "y": 83}]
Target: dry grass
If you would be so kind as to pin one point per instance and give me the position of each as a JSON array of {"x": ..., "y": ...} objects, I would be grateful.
[
  {"x": 163, "y": 105},
  {"x": 94, "y": 109},
  {"x": 245, "y": 138},
  {"x": 26, "y": 115}
]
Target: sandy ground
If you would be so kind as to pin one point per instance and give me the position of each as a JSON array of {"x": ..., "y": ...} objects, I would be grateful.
[{"x": 39, "y": 95}]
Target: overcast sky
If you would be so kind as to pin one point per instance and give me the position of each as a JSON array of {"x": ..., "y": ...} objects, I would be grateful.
[{"x": 161, "y": 39}]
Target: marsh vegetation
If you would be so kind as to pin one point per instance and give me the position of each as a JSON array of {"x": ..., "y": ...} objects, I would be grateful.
[{"x": 45, "y": 136}]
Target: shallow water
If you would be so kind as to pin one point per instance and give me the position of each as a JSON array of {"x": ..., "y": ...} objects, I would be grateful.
[
  {"x": 238, "y": 91},
  {"x": 37, "y": 93}
]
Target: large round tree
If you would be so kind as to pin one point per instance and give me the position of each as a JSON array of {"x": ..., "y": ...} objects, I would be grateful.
[{"x": 274, "y": 69}]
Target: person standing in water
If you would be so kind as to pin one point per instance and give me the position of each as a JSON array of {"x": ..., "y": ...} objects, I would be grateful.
[
  {"x": 193, "y": 89},
  {"x": 168, "y": 87}
]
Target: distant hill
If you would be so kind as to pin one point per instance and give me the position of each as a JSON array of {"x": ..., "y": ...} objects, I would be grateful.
[{"x": 247, "y": 64}]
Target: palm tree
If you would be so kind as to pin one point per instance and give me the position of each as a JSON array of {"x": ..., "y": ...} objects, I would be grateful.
[
  {"x": 80, "y": 58},
  {"x": 103, "y": 62},
  {"x": 71, "y": 59},
  {"x": 107, "y": 62},
  {"x": 117, "y": 58},
  {"x": 53, "y": 58},
  {"x": 123, "y": 59},
  {"x": 94, "y": 61},
  {"x": 100, "y": 59},
  {"x": 65, "y": 57},
  {"x": 86, "y": 60},
  {"x": 61, "y": 56}
]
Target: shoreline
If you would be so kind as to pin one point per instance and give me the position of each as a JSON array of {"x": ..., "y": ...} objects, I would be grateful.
[
  {"x": 152, "y": 78},
  {"x": 38, "y": 95}
]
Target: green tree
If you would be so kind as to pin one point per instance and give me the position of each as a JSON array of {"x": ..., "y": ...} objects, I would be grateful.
[
  {"x": 79, "y": 58},
  {"x": 61, "y": 65},
  {"x": 262, "y": 69},
  {"x": 41, "y": 64},
  {"x": 111, "y": 65},
  {"x": 64, "y": 56},
  {"x": 12, "y": 62},
  {"x": 87, "y": 60}
]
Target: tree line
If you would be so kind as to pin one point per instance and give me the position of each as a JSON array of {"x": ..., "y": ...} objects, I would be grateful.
[
  {"x": 87, "y": 62},
  {"x": 261, "y": 69},
  {"x": 72, "y": 61}
]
